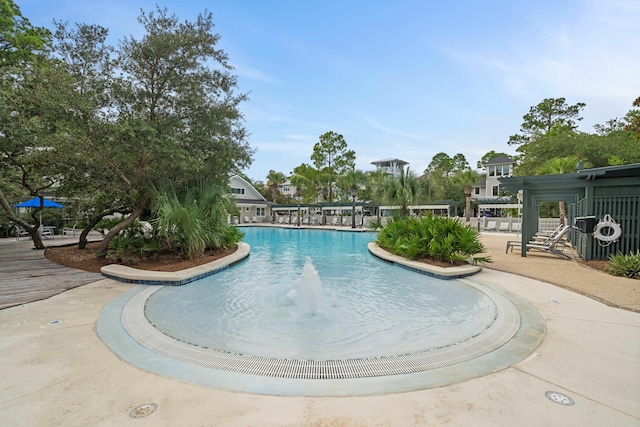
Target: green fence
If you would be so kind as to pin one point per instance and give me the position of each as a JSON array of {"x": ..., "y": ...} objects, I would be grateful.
[{"x": 624, "y": 209}]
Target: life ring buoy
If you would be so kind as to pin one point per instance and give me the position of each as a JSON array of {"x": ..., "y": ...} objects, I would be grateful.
[{"x": 611, "y": 236}]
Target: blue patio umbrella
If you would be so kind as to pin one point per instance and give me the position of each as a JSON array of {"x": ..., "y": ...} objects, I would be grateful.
[{"x": 35, "y": 203}]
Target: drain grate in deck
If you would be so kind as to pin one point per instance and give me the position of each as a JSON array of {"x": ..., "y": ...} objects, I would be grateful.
[{"x": 504, "y": 327}]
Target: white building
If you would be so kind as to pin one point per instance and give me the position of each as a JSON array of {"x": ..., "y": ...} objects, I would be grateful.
[
  {"x": 287, "y": 189},
  {"x": 391, "y": 166},
  {"x": 252, "y": 205},
  {"x": 496, "y": 168},
  {"x": 486, "y": 193}
]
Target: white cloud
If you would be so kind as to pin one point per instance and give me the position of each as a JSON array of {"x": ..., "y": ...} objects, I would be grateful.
[
  {"x": 374, "y": 124},
  {"x": 254, "y": 74}
]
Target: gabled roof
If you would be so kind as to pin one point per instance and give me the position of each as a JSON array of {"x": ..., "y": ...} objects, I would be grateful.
[
  {"x": 500, "y": 160},
  {"x": 254, "y": 193}
]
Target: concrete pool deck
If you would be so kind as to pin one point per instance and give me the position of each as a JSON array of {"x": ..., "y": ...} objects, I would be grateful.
[{"x": 60, "y": 373}]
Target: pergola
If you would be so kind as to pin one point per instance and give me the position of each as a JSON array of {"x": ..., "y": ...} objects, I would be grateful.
[{"x": 613, "y": 190}]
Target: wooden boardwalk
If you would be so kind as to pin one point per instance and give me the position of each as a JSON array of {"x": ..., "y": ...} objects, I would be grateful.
[{"x": 27, "y": 276}]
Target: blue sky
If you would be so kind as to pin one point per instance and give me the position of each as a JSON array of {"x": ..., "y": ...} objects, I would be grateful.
[{"x": 402, "y": 79}]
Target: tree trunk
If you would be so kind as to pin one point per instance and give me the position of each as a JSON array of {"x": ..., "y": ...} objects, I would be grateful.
[
  {"x": 104, "y": 245},
  {"x": 353, "y": 212},
  {"x": 563, "y": 217},
  {"x": 468, "y": 206},
  {"x": 32, "y": 230},
  {"x": 93, "y": 221}
]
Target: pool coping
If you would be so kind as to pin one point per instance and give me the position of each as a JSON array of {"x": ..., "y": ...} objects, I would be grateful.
[
  {"x": 125, "y": 274},
  {"x": 445, "y": 273},
  {"x": 529, "y": 336}
]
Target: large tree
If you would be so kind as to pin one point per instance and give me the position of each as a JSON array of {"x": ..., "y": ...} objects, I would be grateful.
[
  {"x": 28, "y": 106},
  {"x": 177, "y": 110},
  {"x": 19, "y": 40},
  {"x": 439, "y": 174},
  {"x": 552, "y": 115},
  {"x": 332, "y": 157}
]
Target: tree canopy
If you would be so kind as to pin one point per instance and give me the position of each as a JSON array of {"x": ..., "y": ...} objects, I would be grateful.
[
  {"x": 19, "y": 40},
  {"x": 551, "y": 116},
  {"x": 103, "y": 123},
  {"x": 552, "y": 134}
]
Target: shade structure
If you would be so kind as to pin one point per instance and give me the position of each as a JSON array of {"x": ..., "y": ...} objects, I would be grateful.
[{"x": 35, "y": 203}]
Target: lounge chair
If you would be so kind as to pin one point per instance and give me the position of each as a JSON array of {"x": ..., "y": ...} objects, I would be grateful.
[
  {"x": 491, "y": 225},
  {"x": 504, "y": 226},
  {"x": 254, "y": 219},
  {"x": 545, "y": 236},
  {"x": 553, "y": 245},
  {"x": 305, "y": 220},
  {"x": 515, "y": 227},
  {"x": 549, "y": 233},
  {"x": 335, "y": 220}
]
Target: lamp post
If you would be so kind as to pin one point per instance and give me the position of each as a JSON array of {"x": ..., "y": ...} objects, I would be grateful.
[
  {"x": 354, "y": 194},
  {"x": 297, "y": 197}
]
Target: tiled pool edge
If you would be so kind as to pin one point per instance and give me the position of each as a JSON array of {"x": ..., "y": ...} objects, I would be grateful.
[
  {"x": 529, "y": 336},
  {"x": 447, "y": 273},
  {"x": 126, "y": 274}
]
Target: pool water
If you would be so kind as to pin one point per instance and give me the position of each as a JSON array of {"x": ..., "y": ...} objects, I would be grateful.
[{"x": 308, "y": 294}]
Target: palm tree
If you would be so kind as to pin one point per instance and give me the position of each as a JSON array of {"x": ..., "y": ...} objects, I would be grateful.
[
  {"x": 353, "y": 180},
  {"x": 193, "y": 217},
  {"x": 467, "y": 178},
  {"x": 402, "y": 190},
  {"x": 273, "y": 180}
]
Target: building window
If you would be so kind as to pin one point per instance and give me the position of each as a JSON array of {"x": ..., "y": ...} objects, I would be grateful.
[
  {"x": 477, "y": 191},
  {"x": 237, "y": 190},
  {"x": 260, "y": 211},
  {"x": 492, "y": 170},
  {"x": 495, "y": 190}
]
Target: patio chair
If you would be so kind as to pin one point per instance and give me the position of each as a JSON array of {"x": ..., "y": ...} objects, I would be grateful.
[
  {"x": 491, "y": 225},
  {"x": 254, "y": 219},
  {"x": 45, "y": 232},
  {"x": 515, "y": 227},
  {"x": 246, "y": 220},
  {"x": 335, "y": 220},
  {"x": 504, "y": 226},
  {"x": 69, "y": 231},
  {"x": 553, "y": 245},
  {"x": 20, "y": 232}
]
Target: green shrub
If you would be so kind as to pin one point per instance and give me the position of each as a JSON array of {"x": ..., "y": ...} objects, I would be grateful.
[
  {"x": 127, "y": 247},
  {"x": 193, "y": 218},
  {"x": 625, "y": 265},
  {"x": 439, "y": 238}
]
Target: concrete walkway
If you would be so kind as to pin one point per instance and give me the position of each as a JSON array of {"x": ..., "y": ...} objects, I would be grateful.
[{"x": 56, "y": 371}]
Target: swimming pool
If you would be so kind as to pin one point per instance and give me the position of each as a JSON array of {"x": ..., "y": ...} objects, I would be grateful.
[
  {"x": 361, "y": 320},
  {"x": 354, "y": 306}
]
